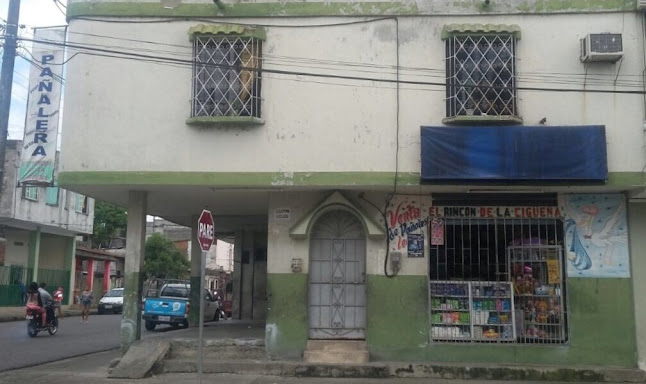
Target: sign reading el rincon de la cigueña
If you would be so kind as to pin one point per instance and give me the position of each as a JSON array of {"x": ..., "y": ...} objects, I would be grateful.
[{"x": 38, "y": 155}]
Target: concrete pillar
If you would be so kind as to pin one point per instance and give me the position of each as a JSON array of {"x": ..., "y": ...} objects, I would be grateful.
[
  {"x": 134, "y": 261},
  {"x": 637, "y": 241},
  {"x": 106, "y": 276},
  {"x": 196, "y": 259},
  {"x": 70, "y": 264},
  {"x": 34, "y": 254},
  {"x": 89, "y": 278},
  {"x": 248, "y": 275},
  {"x": 236, "y": 278}
]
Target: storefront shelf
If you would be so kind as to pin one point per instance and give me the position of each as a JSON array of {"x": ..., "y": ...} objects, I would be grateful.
[
  {"x": 450, "y": 310},
  {"x": 457, "y": 296},
  {"x": 453, "y": 324}
]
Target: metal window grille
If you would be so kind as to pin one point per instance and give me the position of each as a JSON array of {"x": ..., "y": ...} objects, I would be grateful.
[
  {"x": 481, "y": 76},
  {"x": 523, "y": 255},
  {"x": 226, "y": 77}
]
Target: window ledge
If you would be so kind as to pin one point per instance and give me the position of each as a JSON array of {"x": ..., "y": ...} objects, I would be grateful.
[
  {"x": 224, "y": 120},
  {"x": 485, "y": 120}
]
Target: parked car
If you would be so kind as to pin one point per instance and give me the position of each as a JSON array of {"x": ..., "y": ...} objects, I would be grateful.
[
  {"x": 112, "y": 301},
  {"x": 171, "y": 307}
]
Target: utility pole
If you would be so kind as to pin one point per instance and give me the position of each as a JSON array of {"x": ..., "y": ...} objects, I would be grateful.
[{"x": 6, "y": 79}]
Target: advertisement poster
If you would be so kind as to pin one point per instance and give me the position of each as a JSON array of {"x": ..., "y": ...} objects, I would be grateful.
[
  {"x": 596, "y": 235},
  {"x": 437, "y": 232},
  {"x": 416, "y": 245},
  {"x": 38, "y": 155}
]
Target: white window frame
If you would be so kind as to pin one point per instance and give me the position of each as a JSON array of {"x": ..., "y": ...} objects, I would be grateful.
[{"x": 30, "y": 193}]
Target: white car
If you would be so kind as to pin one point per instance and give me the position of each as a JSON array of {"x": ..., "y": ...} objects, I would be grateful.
[{"x": 112, "y": 301}]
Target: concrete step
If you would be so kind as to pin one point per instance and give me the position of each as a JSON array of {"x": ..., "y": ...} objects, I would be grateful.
[
  {"x": 336, "y": 345},
  {"x": 279, "y": 368},
  {"x": 336, "y": 357},
  {"x": 218, "y": 349}
]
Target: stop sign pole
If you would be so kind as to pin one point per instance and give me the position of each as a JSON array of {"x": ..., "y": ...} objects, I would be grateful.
[{"x": 205, "y": 236}]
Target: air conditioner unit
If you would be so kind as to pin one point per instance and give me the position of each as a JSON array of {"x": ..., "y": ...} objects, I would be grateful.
[
  {"x": 641, "y": 5},
  {"x": 601, "y": 47}
]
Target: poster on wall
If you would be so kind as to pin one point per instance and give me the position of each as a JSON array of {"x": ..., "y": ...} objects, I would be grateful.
[
  {"x": 406, "y": 224},
  {"x": 596, "y": 235},
  {"x": 437, "y": 232},
  {"x": 416, "y": 244}
]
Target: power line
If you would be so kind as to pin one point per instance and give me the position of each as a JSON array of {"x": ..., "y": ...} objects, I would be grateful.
[{"x": 144, "y": 57}]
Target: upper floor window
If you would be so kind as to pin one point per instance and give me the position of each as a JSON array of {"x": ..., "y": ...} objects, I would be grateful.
[
  {"x": 481, "y": 72},
  {"x": 30, "y": 193},
  {"x": 80, "y": 203},
  {"x": 226, "y": 77},
  {"x": 51, "y": 195}
]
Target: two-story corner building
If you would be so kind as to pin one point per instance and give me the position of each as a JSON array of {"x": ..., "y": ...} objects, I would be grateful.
[
  {"x": 40, "y": 226},
  {"x": 421, "y": 175}
]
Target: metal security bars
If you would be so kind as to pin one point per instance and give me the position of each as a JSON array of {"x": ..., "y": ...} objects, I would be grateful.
[
  {"x": 525, "y": 255},
  {"x": 226, "y": 80},
  {"x": 480, "y": 75}
]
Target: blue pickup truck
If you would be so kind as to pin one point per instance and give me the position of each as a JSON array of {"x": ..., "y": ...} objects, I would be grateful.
[{"x": 171, "y": 306}]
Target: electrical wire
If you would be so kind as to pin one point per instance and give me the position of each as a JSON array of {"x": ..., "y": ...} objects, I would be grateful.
[{"x": 144, "y": 57}]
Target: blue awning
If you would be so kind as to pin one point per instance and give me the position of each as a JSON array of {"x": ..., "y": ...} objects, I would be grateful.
[{"x": 514, "y": 153}]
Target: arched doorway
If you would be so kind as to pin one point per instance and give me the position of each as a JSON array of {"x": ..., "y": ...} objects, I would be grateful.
[{"x": 337, "y": 271}]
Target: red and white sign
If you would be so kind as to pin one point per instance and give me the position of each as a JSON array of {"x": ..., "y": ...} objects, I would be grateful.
[{"x": 205, "y": 230}]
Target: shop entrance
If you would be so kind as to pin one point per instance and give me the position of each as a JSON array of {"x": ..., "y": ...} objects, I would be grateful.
[
  {"x": 337, "y": 296},
  {"x": 498, "y": 280}
]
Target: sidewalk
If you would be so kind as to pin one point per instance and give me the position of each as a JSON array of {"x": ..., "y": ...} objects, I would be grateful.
[
  {"x": 18, "y": 313},
  {"x": 93, "y": 369}
]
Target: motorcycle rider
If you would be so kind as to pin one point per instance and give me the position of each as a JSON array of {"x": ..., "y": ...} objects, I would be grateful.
[
  {"x": 47, "y": 300},
  {"x": 35, "y": 302}
]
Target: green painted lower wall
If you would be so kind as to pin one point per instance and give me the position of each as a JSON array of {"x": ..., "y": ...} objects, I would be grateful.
[
  {"x": 286, "y": 329},
  {"x": 601, "y": 317}
]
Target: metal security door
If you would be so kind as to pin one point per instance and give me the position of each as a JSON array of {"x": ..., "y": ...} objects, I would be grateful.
[{"x": 337, "y": 302}]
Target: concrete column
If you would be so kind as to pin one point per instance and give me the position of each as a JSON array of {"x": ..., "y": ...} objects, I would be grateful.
[
  {"x": 34, "y": 254},
  {"x": 637, "y": 241},
  {"x": 89, "y": 278},
  {"x": 236, "y": 278},
  {"x": 106, "y": 276},
  {"x": 196, "y": 259},
  {"x": 248, "y": 275},
  {"x": 70, "y": 264},
  {"x": 134, "y": 261}
]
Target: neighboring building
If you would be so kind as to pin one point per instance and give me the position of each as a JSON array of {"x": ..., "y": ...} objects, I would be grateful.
[
  {"x": 39, "y": 231},
  {"x": 387, "y": 170},
  {"x": 106, "y": 266}
]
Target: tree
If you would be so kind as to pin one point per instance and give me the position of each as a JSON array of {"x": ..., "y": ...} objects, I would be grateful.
[
  {"x": 109, "y": 221},
  {"x": 163, "y": 259}
]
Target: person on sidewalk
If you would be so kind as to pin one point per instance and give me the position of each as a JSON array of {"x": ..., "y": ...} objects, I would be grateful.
[
  {"x": 35, "y": 302},
  {"x": 58, "y": 300},
  {"x": 86, "y": 302}
]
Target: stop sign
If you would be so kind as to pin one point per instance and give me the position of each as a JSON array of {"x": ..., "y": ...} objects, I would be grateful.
[{"x": 205, "y": 231}]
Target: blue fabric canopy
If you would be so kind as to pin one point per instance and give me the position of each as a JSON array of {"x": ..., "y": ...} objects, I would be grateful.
[{"x": 499, "y": 153}]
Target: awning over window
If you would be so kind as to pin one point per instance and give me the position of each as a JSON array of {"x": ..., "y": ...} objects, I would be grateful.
[
  {"x": 457, "y": 29},
  {"x": 227, "y": 29},
  {"x": 514, "y": 153}
]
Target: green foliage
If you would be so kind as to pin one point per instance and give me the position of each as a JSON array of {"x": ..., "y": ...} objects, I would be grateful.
[
  {"x": 109, "y": 221},
  {"x": 163, "y": 259}
]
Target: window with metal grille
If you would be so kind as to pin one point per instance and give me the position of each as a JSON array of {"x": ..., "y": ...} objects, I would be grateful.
[
  {"x": 226, "y": 77},
  {"x": 480, "y": 75},
  {"x": 80, "y": 204},
  {"x": 525, "y": 254}
]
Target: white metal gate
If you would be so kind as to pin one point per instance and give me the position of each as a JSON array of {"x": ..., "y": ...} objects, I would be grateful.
[{"x": 337, "y": 295}]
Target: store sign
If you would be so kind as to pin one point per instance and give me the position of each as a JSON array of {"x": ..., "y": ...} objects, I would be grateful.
[
  {"x": 38, "y": 157},
  {"x": 496, "y": 212}
]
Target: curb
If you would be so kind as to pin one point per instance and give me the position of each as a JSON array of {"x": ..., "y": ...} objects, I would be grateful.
[{"x": 409, "y": 370}]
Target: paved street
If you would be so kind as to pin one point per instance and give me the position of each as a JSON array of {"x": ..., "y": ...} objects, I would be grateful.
[{"x": 101, "y": 333}]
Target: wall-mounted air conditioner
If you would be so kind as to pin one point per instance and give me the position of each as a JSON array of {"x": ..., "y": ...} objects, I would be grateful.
[{"x": 601, "y": 47}]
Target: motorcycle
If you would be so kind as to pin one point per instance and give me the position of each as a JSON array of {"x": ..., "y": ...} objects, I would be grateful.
[{"x": 34, "y": 322}]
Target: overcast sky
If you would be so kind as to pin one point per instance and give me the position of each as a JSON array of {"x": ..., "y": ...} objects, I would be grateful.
[{"x": 33, "y": 13}]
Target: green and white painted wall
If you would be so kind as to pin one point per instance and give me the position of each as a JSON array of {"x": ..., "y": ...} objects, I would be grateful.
[{"x": 601, "y": 311}]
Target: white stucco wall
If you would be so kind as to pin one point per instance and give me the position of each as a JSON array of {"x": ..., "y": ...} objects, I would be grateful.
[
  {"x": 17, "y": 250},
  {"x": 52, "y": 252},
  {"x": 138, "y": 109}
]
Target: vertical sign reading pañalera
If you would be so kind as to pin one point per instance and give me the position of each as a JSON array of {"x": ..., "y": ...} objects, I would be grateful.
[{"x": 38, "y": 158}]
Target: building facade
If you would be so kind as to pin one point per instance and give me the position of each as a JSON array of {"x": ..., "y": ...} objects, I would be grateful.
[
  {"x": 420, "y": 175},
  {"x": 40, "y": 227}
]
